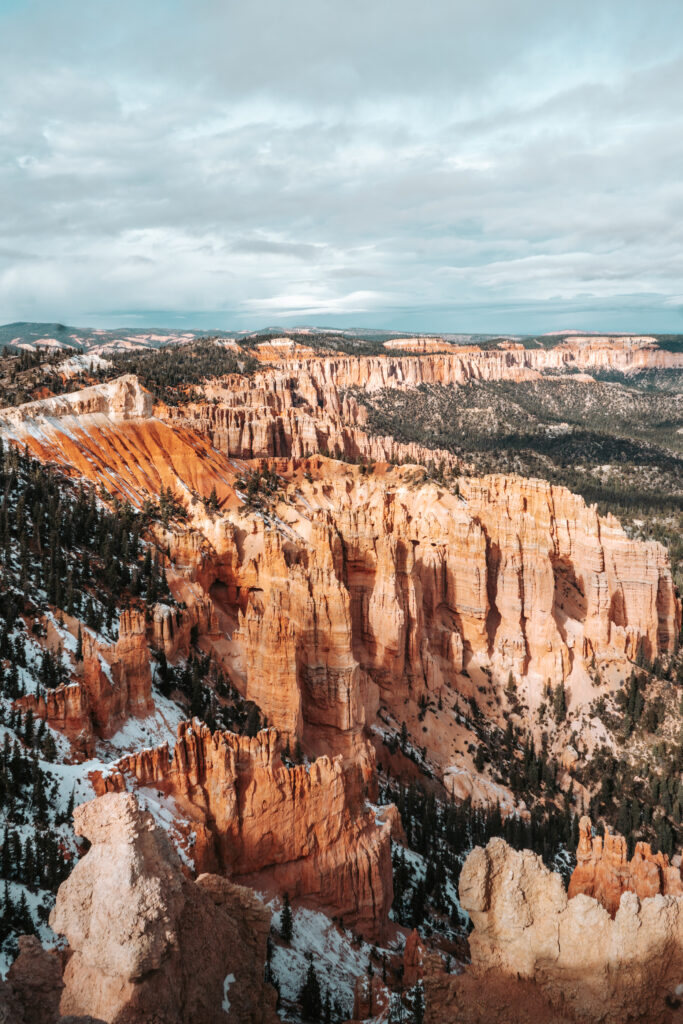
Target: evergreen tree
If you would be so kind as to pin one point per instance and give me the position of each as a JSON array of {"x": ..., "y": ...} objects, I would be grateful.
[
  {"x": 559, "y": 702},
  {"x": 253, "y": 723},
  {"x": 418, "y": 1004},
  {"x": 310, "y": 996},
  {"x": 286, "y": 920}
]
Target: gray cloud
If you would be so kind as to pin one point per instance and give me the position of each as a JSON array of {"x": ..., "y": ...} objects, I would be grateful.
[{"x": 436, "y": 165}]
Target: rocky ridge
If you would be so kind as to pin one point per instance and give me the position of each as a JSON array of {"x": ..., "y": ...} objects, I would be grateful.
[
  {"x": 604, "y": 871},
  {"x": 589, "y": 966},
  {"x": 305, "y": 829}
]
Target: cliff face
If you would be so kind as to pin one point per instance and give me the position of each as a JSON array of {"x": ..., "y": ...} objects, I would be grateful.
[
  {"x": 592, "y": 967},
  {"x": 604, "y": 871},
  {"x": 297, "y": 408},
  {"x": 113, "y": 682},
  {"x": 305, "y": 830},
  {"x": 378, "y": 584},
  {"x": 352, "y": 587},
  {"x": 148, "y": 944},
  {"x": 66, "y": 709}
]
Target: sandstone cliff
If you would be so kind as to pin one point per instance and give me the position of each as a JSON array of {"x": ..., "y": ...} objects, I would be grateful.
[
  {"x": 353, "y": 587},
  {"x": 145, "y": 943},
  {"x": 604, "y": 871},
  {"x": 591, "y": 967},
  {"x": 305, "y": 830},
  {"x": 66, "y": 709},
  {"x": 296, "y": 407}
]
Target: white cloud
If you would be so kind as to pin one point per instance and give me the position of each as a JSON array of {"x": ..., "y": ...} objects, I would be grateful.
[{"x": 443, "y": 164}]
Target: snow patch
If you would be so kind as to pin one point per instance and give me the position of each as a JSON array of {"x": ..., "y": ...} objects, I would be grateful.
[{"x": 226, "y": 988}]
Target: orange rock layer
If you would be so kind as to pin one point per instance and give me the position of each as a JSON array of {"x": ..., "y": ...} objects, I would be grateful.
[
  {"x": 306, "y": 830},
  {"x": 604, "y": 871},
  {"x": 354, "y": 586}
]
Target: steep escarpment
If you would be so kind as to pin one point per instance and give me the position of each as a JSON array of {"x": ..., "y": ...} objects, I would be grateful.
[
  {"x": 510, "y": 574},
  {"x": 113, "y": 682},
  {"x": 299, "y": 407},
  {"x": 339, "y": 589},
  {"x": 305, "y": 829}
]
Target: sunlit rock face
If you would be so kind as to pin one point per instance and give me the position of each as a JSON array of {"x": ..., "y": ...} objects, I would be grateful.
[
  {"x": 587, "y": 964},
  {"x": 304, "y": 830},
  {"x": 604, "y": 871},
  {"x": 146, "y": 943}
]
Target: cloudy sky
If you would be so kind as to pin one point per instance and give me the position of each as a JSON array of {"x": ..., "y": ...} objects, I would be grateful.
[{"x": 433, "y": 164}]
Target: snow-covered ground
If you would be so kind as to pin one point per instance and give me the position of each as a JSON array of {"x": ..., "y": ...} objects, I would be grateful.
[
  {"x": 83, "y": 364},
  {"x": 337, "y": 959},
  {"x": 139, "y": 733}
]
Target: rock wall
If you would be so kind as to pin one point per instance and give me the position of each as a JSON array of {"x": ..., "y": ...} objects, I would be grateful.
[
  {"x": 297, "y": 408},
  {"x": 66, "y": 709},
  {"x": 604, "y": 871},
  {"x": 593, "y": 967},
  {"x": 147, "y": 944},
  {"x": 117, "y": 679},
  {"x": 305, "y": 830}
]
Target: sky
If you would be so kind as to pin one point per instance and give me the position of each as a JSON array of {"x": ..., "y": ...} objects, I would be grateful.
[{"x": 491, "y": 166}]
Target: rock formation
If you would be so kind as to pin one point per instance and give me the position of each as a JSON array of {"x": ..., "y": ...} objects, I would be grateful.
[
  {"x": 297, "y": 407},
  {"x": 305, "y": 830},
  {"x": 34, "y": 985},
  {"x": 418, "y": 962},
  {"x": 354, "y": 587},
  {"x": 604, "y": 871},
  {"x": 148, "y": 945},
  {"x": 592, "y": 967},
  {"x": 371, "y": 998},
  {"x": 66, "y": 709}
]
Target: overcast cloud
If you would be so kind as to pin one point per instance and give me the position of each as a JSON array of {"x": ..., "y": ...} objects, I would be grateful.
[{"x": 496, "y": 165}]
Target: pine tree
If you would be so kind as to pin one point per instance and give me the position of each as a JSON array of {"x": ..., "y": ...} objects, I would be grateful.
[
  {"x": 23, "y": 918},
  {"x": 310, "y": 996},
  {"x": 559, "y": 702},
  {"x": 419, "y": 1005},
  {"x": 404, "y": 736},
  {"x": 253, "y": 723},
  {"x": 212, "y": 502},
  {"x": 79, "y": 644},
  {"x": 286, "y": 920}
]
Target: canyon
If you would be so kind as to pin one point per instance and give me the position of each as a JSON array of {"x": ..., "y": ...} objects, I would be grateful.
[
  {"x": 383, "y": 614},
  {"x": 381, "y": 583}
]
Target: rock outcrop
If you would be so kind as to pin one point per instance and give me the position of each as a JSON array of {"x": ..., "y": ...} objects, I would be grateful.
[
  {"x": 604, "y": 871},
  {"x": 117, "y": 678},
  {"x": 121, "y": 399},
  {"x": 418, "y": 962},
  {"x": 34, "y": 985},
  {"x": 305, "y": 830},
  {"x": 148, "y": 945},
  {"x": 592, "y": 967},
  {"x": 297, "y": 407},
  {"x": 67, "y": 709}
]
